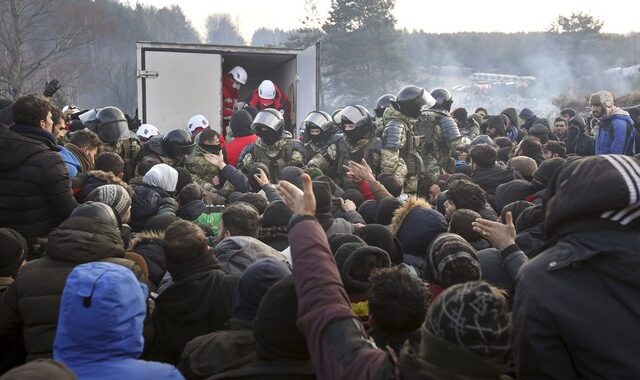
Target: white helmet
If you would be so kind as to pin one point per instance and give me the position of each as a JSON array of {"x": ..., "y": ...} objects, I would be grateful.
[
  {"x": 197, "y": 121},
  {"x": 267, "y": 90},
  {"x": 239, "y": 74},
  {"x": 147, "y": 131}
]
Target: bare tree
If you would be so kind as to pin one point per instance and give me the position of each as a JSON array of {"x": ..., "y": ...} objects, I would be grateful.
[
  {"x": 33, "y": 35},
  {"x": 222, "y": 30}
]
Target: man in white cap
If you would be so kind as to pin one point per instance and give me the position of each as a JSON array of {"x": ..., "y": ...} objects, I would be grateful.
[
  {"x": 146, "y": 131},
  {"x": 231, "y": 84},
  {"x": 268, "y": 95}
]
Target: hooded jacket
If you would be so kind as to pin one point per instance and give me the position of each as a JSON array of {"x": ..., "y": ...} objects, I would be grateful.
[
  {"x": 589, "y": 275},
  {"x": 197, "y": 302},
  {"x": 577, "y": 141},
  {"x": 490, "y": 178},
  {"x": 236, "y": 253},
  {"x": 148, "y": 202},
  {"x": 35, "y": 194},
  {"x": 614, "y": 133},
  {"x": 242, "y": 135},
  {"x": 33, "y": 301},
  {"x": 102, "y": 338},
  {"x": 84, "y": 183},
  {"x": 148, "y": 244}
]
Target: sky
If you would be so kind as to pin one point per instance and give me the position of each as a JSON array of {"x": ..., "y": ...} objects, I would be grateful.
[{"x": 429, "y": 16}]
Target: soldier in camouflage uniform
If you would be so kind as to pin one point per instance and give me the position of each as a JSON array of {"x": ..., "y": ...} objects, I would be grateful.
[
  {"x": 274, "y": 148},
  {"x": 382, "y": 104},
  {"x": 110, "y": 124},
  {"x": 173, "y": 149},
  {"x": 440, "y": 136},
  {"x": 202, "y": 172},
  {"x": 400, "y": 152},
  {"x": 359, "y": 142},
  {"x": 319, "y": 131}
]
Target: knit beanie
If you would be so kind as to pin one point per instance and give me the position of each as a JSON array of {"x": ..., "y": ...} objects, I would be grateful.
[
  {"x": 512, "y": 114},
  {"x": 377, "y": 235},
  {"x": 386, "y": 208},
  {"x": 345, "y": 250},
  {"x": 338, "y": 240},
  {"x": 451, "y": 260},
  {"x": 335, "y": 189},
  {"x": 41, "y": 369},
  {"x": 315, "y": 173},
  {"x": 254, "y": 199},
  {"x": 515, "y": 208},
  {"x": 275, "y": 215},
  {"x": 359, "y": 265},
  {"x": 115, "y": 196},
  {"x": 322, "y": 192},
  {"x": 254, "y": 282},
  {"x": 526, "y": 113},
  {"x": 516, "y": 190},
  {"x": 460, "y": 114},
  {"x": 498, "y": 123},
  {"x": 184, "y": 178},
  {"x": 293, "y": 175},
  {"x": 547, "y": 169},
  {"x": 240, "y": 123},
  {"x": 274, "y": 328},
  {"x": 473, "y": 316},
  {"x": 368, "y": 210},
  {"x": 159, "y": 223},
  {"x": 482, "y": 139},
  {"x": 13, "y": 250}
]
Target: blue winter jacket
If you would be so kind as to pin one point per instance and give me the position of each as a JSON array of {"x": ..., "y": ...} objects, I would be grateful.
[
  {"x": 99, "y": 334},
  {"x": 71, "y": 161},
  {"x": 621, "y": 125}
]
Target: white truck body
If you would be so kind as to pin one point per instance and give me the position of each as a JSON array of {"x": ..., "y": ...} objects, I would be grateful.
[{"x": 178, "y": 81}]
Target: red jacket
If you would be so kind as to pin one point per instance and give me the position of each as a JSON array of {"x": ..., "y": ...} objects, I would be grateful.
[
  {"x": 234, "y": 148},
  {"x": 280, "y": 102},
  {"x": 229, "y": 96}
]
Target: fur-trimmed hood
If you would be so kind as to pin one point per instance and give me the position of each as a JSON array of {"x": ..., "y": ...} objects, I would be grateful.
[
  {"x": 145, "y": 237},
  {"x": 416, "y": 224},
  {"x": 401, "y": 213},
  {"x": 84, "y": 183}
]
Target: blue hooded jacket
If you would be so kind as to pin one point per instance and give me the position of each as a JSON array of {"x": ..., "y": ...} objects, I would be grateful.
[
  {"x": 99, "y": 334},
  {"x": 621, "y": 126},
  {"x": 71, "y": 161}
]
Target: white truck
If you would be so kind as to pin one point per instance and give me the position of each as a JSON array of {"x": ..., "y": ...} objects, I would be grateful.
[{"x": 176, "y": 81}]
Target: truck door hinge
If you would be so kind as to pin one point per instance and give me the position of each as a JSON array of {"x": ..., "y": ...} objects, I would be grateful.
[{"x": 147, "y": 74}]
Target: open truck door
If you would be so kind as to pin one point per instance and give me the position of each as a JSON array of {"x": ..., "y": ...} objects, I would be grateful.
[
  {"x": 175, "y": 85},
  {"x": 307, "y": 84}
]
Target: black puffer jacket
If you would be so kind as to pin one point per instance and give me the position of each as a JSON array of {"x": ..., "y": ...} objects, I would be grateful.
[
  {"x": 32, "y": 303},
  {"x": 35, "y": 191},
  {"x": 148, "y": 244},
  {"x": 577, "y": 141},
  {"x": 148, "y": 202}
]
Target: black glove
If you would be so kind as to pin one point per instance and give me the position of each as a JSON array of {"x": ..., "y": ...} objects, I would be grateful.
[{"x": 50, "y": 88}]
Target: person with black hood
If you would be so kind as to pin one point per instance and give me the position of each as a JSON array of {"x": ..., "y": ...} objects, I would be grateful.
[
  {"x": 590, "y": 275},
  {"x": 496, "y": 127},
  {"x": 578, "y": 142},
  {"x": 529, "y": 118},
  {"x": 274, "y": 226},
  {"x": 199, "y": 299},
  {"x": 543, "y": 176},
  {"x": 512, "y": 130},
  {"x": 217, "y": 352},
  {"x": 32, "y": 303},
  {"x": 487, "y": 173},
  {"x": 330, "y": 224},
  {"x": 35, "y": 191},
  {"x": 152, "y": 195},
  {"x": 242, "y": 133}
]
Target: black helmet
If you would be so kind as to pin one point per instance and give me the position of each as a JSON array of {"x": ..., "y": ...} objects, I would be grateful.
[
  {"x": 98, "y": 210},
  {"x": 443, "y": 98},
  {"x": 178, "y": 142},
  {"x": 383, "y": 103},
  {"x": 109, "y": 123},
  {"x": 318, "y": 119},
  {"x": 411, "y": 99},
  {"x": 335, "y": 116},
  {"x": 270, "y": 118},
  {"x": 355, "y": 114}
]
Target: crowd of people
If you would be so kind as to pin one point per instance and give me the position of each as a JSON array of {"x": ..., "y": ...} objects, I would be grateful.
[{"x": 416, "y": 241}]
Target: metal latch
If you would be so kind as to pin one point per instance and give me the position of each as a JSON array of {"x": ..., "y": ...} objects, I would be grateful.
[{"x": 147, "y": 74}]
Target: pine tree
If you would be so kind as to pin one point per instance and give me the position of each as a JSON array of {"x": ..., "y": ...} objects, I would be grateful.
[{"x": 310, "y": 30}]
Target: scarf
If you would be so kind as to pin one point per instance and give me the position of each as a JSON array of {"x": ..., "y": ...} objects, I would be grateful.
[
  {"x": 36, "y": 133},
  {"x": 196, "y": 264},
  {"x": 82, "y": 157}
]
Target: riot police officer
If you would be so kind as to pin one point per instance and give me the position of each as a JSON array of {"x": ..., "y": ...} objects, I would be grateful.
[
  {"x": 440, "y": 137},
  {"x": 110, "y": 124},
  {"x": 400, "y": 152},
  {"x": 172, "y": 149},
  {"x": 319, "y": 131},
  {"x": 359, "y": 142},
  {"x": 274, "y": 148},
  {"x": 382, "y": 104}
]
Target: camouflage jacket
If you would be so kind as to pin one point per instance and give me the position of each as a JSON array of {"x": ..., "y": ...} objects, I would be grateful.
[
  {"x": 127, "y": 149},
  {"x": 285, "y": 152},
  {"x": 202, "y": 172}
]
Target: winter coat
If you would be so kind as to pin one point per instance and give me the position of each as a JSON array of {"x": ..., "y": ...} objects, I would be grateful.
[
  {"x": 236, "y": 253},
  {"x": 196, "y": 304},
  {"x": 282, "y": 369},
  {"x": 235, "y": 147},
  {"x": 148, "y": 202},
  {"x": 229, "y": 96},
  {"x": 614, "y": 133},
  {"x": 104, "y": 340},
  {"x": 501, "y": 271},
  {"x": 577, "y": 141},
  {"x": 33, "y": 301},
  {"x": 35, "y": 195},
  {"x": 71, "y": 161},
  {"x": 148, "y": 244},
  {"x": 584, "y": 323},
  {"x": 280, "y": 103},
  {"x": 490, "y": 178},
  {"x": 84, "y": 183}
]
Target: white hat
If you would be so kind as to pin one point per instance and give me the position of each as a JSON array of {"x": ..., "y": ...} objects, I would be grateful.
[
  {"x": 197, "y": 121},
  {"x": 267, "y": 90},
  {"x": 239, "y": 74},
  {"x": 147, "y": 131}
]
